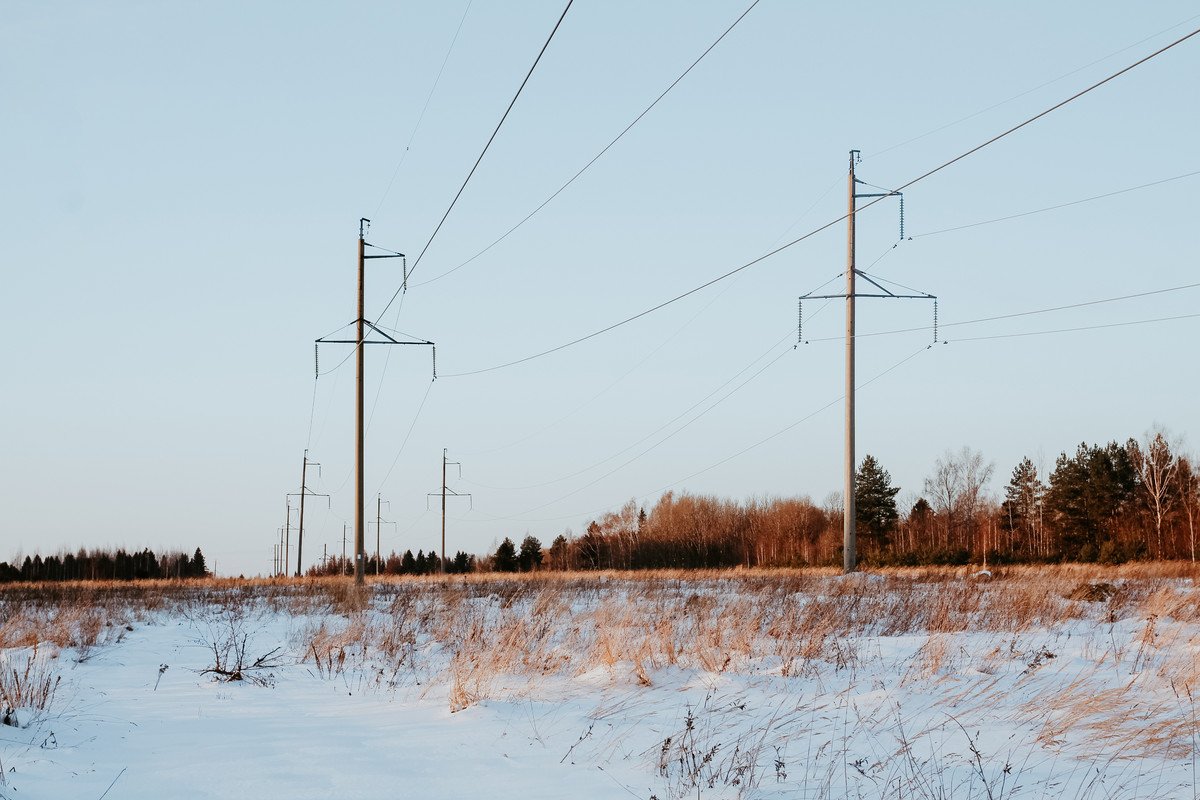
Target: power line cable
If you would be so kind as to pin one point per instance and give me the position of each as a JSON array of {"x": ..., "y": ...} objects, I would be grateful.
[
  {"x": 479, "y": 160},
  {"x": 598, "y": 156},
  {"x": 1065, "y": 75},
  {"x": 412, "y": 425},
  {"x": 1017, "y": 314},
  {"x": 831, "y": 223},
  {"x": 1073, "y": 330},
  {"x": 424, "y": 108},
  {"x": 1060, "y": 205}
]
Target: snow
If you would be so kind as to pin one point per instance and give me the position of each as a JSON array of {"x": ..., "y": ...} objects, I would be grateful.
[{"x": 1086, "y": 707}]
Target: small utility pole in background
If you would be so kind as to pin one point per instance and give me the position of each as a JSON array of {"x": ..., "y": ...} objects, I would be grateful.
[
  {"x": 379, "y": 523},
  {"x": 279, "y": 554},
  {"x": 303, "y": 492},
  {"x": 444, "y": 492},
  {"x": 849, "y": 532},
  {"x": 287, "y": 534},
  {"x": 360, "y": 341},
  {"x": 343, "y": 548}
]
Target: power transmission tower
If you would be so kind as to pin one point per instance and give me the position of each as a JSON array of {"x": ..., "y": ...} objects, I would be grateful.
[
  {"x": 303, "y": 493},
  {"x": 359, "y": 342},
  {"x": 444, "y": 492},
  {"x": 849, "y": 532},
  {"x": 379, "y": 523}
]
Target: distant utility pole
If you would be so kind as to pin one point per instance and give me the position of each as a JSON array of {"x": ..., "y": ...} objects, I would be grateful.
[
  {"x": 379, "y": 523},
  {"x": 279, "y": 555},
  {"x": 444, "y": 492},
  {"x": 343, "y": 569},
  {"x": 849, "y": 533},
  {"x": 359, "y": 342},
  {"x": 287, "y": 534},
  {"x": 303, "y": 493}
]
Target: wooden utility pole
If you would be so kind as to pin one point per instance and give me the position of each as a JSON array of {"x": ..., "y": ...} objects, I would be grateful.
[
  {"x": 287, "y": 535},
  {"x": 379, "y": 520},
  {"x": 300, "y": 535},
  {"x": 849, "y": 534},
  {"x": 343, "y": 569},
  {"x": 303, "y": 492},
  {"x": 442, "y": 565},
  {"x": 359, "y": 349},
  {"x": 444, "y": 492},
  {"x": 360, "y": 342}
]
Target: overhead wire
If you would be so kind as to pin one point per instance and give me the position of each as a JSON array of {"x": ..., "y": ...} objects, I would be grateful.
[
  {"x": 1073, "y": 330},
  {"x": 482, "y": 153},
  {"x": 420, "y": 117},
  {"x": 407, "y": 435},
  {"x": 1065, "y": 75},
  {"x": 599, "y": 155},
  {"x": 929, "y": 173},
  {"x": 1058, "y": 206},
  {"x": 1017, "y": 314}
]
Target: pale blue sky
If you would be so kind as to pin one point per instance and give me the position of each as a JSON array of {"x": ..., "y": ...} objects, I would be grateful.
[{"x": 182, "y": 183}]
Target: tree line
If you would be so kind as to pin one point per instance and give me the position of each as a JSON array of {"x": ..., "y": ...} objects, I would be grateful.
[
  {"x": 407, "y": 564},
  {"x": 105, "y": 565},
  {"x": 1107, "y": 503}
]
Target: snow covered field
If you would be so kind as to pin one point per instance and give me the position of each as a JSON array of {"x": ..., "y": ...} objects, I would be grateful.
[{"x": 1038, "y": 683}]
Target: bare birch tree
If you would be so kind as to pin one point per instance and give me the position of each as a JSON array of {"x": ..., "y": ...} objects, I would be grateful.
[{"x": 1157, "y": 468}]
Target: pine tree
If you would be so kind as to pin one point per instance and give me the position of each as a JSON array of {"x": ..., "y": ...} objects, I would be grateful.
[
  {"x": 505, "y": 559},
  {"x": 199, "y": 567},
  {"x": 1087, "y": 495},
  {"x": 875, "y": 502},
  {"x": 558, "y": 552},
  {"x": 530, "y": 557},
  {"x": 408, "y": 564},
  {"x": 1021, "y": 511}
]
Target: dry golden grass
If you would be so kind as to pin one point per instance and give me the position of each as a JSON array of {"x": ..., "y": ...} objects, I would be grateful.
[{"x": 487, "y": 635}]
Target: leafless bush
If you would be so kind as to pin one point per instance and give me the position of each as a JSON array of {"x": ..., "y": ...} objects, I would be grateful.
[
  {"x": 225, "y": 635},
  {"x": 26, "y": 687}
]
